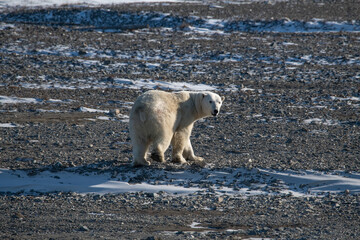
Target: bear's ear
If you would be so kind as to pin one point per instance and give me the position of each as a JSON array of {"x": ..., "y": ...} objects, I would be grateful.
[
  {"x": 203, "y": 95},
  {"x": 222, "y": 98}
]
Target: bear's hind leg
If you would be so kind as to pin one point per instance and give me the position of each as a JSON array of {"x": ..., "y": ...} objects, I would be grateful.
[
  {"x": 140, "y": 149},
  {"x": 158, "y": 154}
]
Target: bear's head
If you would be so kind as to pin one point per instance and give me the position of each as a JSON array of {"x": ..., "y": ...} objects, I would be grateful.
[{"x": 211, "y": 103}]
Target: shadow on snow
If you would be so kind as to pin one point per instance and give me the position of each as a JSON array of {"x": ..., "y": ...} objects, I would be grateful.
[{"x": 178, "y": 180}]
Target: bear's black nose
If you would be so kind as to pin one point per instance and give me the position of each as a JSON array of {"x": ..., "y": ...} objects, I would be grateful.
[{"x": 215, "y": 112}]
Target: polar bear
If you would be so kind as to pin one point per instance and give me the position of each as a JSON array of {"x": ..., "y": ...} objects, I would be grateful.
[{"x": 160, "y": 118}]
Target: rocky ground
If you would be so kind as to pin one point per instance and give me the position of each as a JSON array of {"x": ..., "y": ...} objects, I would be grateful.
[
  {"x": 149, "y": 216},
  {"x": 292, "y": 102}
]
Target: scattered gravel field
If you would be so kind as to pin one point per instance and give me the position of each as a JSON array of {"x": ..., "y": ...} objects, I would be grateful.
[{"x": 282, "y": 159}]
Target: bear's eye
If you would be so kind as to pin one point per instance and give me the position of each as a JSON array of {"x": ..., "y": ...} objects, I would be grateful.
[{"x": 210, "y": 101}]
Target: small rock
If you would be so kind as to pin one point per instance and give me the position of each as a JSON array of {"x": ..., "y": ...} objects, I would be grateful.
[
  {"x": 71, "y": 164},
  {"x": 84, "y": 228},
  {"x": 114, "y": 112},
  {"x": 18, "y": 216},
  {"x": 152, "y": 238},
  {"x": 82, "y": 52},
  {"x": 32, "y": 173},
  {"x": 153, "y": 195},
  {"x": 58, "y": 165},
  {"x": 220, "y": 199}
]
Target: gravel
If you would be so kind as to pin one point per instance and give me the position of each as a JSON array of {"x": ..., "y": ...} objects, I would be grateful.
[
  {"x": 146, "y": 216},
  {"x": 291, "y": 103}
]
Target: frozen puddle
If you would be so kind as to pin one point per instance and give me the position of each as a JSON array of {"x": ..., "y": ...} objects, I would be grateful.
[{"x": 229, "y": 181}]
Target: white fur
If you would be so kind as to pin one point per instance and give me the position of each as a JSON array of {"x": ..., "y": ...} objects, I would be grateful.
[{"x": 160, "y": 118}]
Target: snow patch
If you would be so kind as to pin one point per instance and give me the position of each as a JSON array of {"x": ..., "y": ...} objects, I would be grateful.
[
  {"x": 9, "y": 125},
  {"x": 18, "y": 181},
  {"x": 229, "y": 181},
  {"x": 321, "y": 121},
  {"x": 51, "y": 3},
  {"x": 345, "y": 98},
  {"x": 154, "y": 84},
  {"x": 17, "y": 100},
  {"x": 112, "y": 21},
  {"x": 195, "y": 225},
  {"x": 91, "y": 110}
]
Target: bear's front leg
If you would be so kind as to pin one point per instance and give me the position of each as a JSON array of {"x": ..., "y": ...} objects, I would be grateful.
[
  {"x": 178, "y": 143},
  {"x": 182, "y": 149},
  {"x": 188, "y": 153}
]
